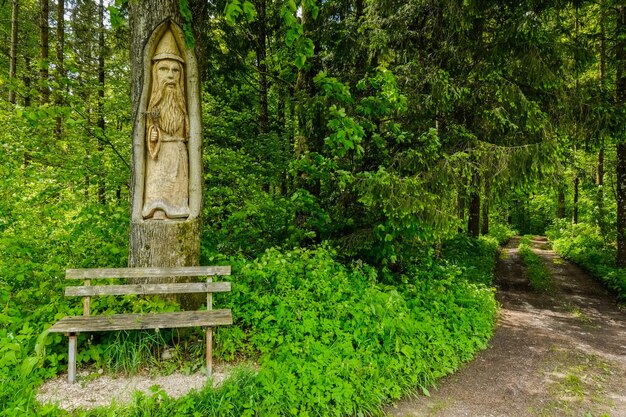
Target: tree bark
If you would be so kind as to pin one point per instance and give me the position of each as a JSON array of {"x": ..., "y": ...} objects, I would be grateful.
[
  {"x": 600, "y": 191},
  {"x": 162, "y": 243},
  {"x": 575, "y": 205},
  {"x": 600, "y": 167},
  {"x": 261, "y": 55},
  {"x": 460, "y": 208},
  {"x": 473, "y": 218},
  {"x": 560, "y": 204},
  {"x": 60, "y": 70},
  {"x": 101, "y": 122},
  {"x": 485, "y": 211},
  {"x": 14, "y": 41},
  {"x": 44, "y": 49},
  {"x": 620, "y": 102}
]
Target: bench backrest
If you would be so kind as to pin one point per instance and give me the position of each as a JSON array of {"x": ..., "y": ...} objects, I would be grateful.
[{"x": 146, "y": 274}]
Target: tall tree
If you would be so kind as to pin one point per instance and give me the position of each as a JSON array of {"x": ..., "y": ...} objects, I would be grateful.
[
  {"x": 261, "y": 56},
  {"x": 620, "y": 104},
  {"x": 44, "y": 46},
  {"x": 101, "y": 120},
  {"x": 60, "y": 66},
  {"x": 14, "y": 41}
]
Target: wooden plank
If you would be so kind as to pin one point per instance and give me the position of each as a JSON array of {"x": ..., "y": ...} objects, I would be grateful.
[
  {"x": 74, "y": 324},
  {"x": 146, "y": 289},
  {"x": 87, "y": 300},
  {"x": 209, "y": 351},
  {"x": 71, "y": 359},
  {"x": 183, "y": 271}
]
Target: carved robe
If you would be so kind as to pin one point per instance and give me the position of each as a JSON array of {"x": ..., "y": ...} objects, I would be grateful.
[
  {"x": 167, "y": 178},
  {"x": 166, "y": 187}
]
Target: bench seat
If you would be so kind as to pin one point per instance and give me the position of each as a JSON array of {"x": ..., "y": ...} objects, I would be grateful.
[{"x": 77, "y": 324}]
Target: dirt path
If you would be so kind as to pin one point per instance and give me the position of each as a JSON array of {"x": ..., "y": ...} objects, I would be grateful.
[{"x": 552, "y": 355}]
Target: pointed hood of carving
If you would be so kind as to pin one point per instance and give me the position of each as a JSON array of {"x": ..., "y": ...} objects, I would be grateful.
[{"x": 167, "y": 48}]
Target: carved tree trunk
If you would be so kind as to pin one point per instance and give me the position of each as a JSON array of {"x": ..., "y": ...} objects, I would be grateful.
[
  {"x": 13, "y": 61},
  {"x": 169, "y": 242}
]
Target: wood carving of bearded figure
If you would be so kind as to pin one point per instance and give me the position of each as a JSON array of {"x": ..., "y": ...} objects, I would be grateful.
[{"x": 166, "y": 192}]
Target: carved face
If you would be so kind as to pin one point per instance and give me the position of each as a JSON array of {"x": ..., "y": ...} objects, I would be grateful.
[{"x": 168, "y": 72}]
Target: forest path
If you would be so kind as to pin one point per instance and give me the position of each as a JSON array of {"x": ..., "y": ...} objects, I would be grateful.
[{"x": 561, "y": 353}]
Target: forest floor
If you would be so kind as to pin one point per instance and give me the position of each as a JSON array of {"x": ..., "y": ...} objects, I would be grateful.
[{"x": 556, "y": 353}]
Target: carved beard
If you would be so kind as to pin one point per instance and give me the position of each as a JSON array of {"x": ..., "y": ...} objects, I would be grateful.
[{"x": 169, "y": 104}]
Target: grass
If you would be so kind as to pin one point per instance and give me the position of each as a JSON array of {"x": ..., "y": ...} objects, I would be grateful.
[
  {"x": 538, "y": 274},
  {"x": 577, "y": 384}
]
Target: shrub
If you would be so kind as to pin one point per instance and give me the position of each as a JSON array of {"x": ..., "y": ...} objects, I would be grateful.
[
  {"x": 501, "y": 232},
  {"x": 330, "y": 340},
  {"x": 477, "y": 257}
]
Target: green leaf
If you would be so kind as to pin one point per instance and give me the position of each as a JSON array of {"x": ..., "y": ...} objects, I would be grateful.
[
  {"x": 27, "y": 365},
  {"x": 300, "y": 61},
  {"x": 117, "y": 20},
  {"x": 249, "y": 10},
  {"x": 232, "y": 12}
]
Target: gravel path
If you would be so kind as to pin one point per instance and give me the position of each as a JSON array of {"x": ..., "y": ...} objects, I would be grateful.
[
  {"x": 92, "y": 390},
  {"x": 557, "y": 354}
]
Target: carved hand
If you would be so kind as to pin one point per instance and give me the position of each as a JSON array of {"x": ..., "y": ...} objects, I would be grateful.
[{"x": 154, "y": 134}]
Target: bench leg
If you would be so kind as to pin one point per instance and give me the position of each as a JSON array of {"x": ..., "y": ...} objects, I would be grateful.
[
  {"x": 209, "y": 350},
  {"x": 71, "y": 359}
]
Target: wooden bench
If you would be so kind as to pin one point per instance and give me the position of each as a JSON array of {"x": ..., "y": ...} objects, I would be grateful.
[{"x": 73, "y": 325}]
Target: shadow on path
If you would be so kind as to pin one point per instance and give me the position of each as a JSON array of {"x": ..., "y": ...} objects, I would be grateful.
[{"x": 557, "y": 354}]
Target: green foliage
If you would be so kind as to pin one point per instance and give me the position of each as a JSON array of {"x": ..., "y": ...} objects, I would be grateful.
[
  {"x": 185, "y": 12},
  {"x": 475, "y": 256},
  {"x": 502, "y": 233},
  {"x": 583, "y": 244},
  {"x": 236, "y": 8},
  {"x": 537, "y": 273}
]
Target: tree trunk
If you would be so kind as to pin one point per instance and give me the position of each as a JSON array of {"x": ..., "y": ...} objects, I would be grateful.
[
  {"x": 473, "y": 217},
  {"x": 28, "y": 80},
  {"x": 620, "y": 102},
  {"x": 175, "y": 242},
  {"x": 44, "y": 49},
  {"x": 13, "y": 54},
  {"x": 575, "y": 205},
  {"x": 101, "y": 122},
  {"x": 27, "y": 98},
  {"x": 460, "y": 209},
  {"x": 261, "y": 55},
  {"x": 60, "y": 71},
  {"x": 560, "y": 204},
  {"x": 485, "y": 211},
  {"x": 600, "y": 191},
  {"x": 284, "y": 138},
  {"x": 600, "y": 173}
]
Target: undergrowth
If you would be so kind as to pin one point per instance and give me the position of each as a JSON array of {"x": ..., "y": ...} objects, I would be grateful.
[{"x": 329, "y": 339}]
